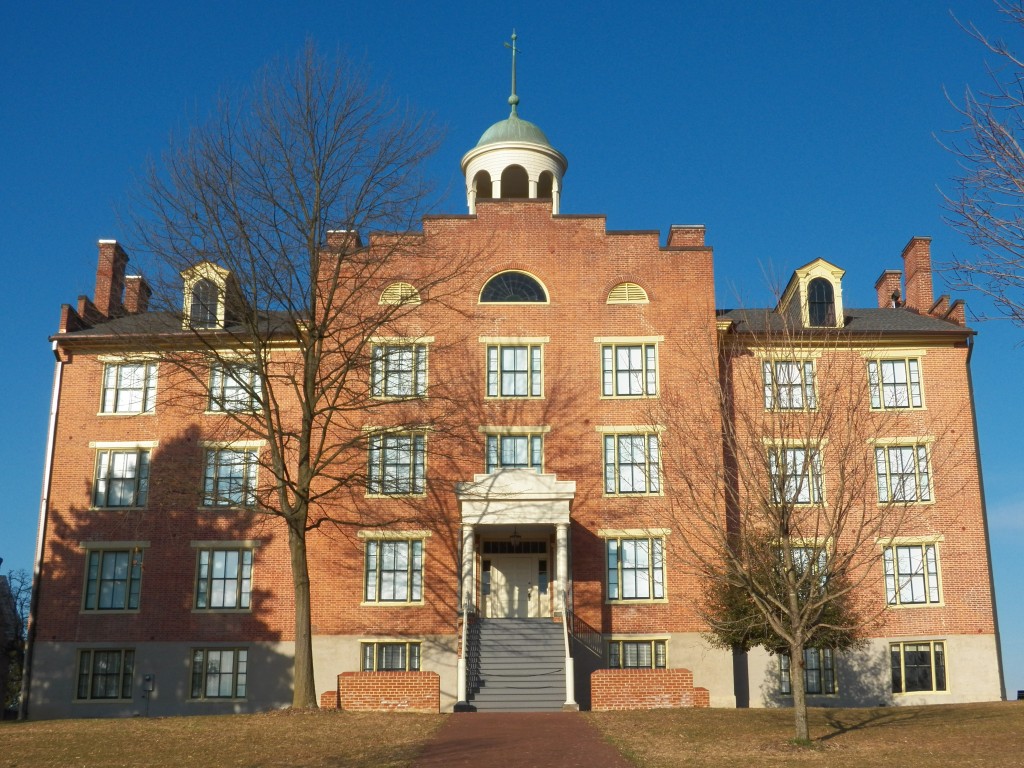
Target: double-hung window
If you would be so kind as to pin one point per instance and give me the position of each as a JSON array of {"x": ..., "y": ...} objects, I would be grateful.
[
  {"x": 398, "y": 370},
  {"x": 224, "y": 579},
  {"x": 230, "y": 477},
  {"x": 636, "y": 569},
  {"x": 219, "y": 673},
  {"x": 629, "y": 370},
  {"x": 796, "y": 476},
  {"x": 105, "y": 673},
  {"x": 918, "y": 666},
  {"x": 911, "y": 574},
  {"x": 128, "y": 388},
  {"x": 234, "y": 387},
  {"x": 515, "y": 452},
  {"x": 789, "y": 385},
  {"x": 895, "y": 383},
  {"x": 902, "y": 473},
  {"x": 394, "y": 571},
  {"x": 113, "y": 579},
  {"x": 391, "y": 657},
  {"x": 397, "y": 464},
  {"x": 637, "y": 654},
  {"x": 819, "y": 672},
  {"x": 514, "y": 370},
  {"x": 122, "y": 477},
  {"x": 632, "y": 464}
]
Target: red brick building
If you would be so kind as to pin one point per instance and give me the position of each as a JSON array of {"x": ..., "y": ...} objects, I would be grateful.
[{"x": 547, "y": 469}]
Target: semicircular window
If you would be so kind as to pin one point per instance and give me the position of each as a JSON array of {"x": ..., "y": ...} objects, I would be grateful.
[{"x": 513, "y": 287}]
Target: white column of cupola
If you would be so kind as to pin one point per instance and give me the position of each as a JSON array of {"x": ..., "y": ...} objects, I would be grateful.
[{"x": 509, "y": 150}]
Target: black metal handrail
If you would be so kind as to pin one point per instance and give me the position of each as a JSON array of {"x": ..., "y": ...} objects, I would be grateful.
[{"x": 584, "y": 634}]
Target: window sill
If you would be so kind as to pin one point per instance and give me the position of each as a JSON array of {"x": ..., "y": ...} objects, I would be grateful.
[
  {"x": 109, "y": 611},
  {"x": 203, "y": 611},
  {"x": 912, "y": 606},
  {"x": 645, "y": 495},
  {"x": 637, "y": 601},
  {"x": 392, "y": 604},
  {"x": 127, "y": 508},
  {"x": 101, "y": 701},
  {"x": 107, "y": 414},
  {"x": 420, "y": 495}
]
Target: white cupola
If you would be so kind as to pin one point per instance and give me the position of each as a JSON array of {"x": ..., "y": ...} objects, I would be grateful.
[{"x": 513, "y": 160}]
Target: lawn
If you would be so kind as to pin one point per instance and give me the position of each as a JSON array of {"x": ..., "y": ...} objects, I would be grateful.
[
  {"x": 990, "y": 735},
  {"x": 294, "y": 739}
]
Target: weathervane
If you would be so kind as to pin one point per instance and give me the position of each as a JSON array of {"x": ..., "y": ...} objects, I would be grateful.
[{"x": 513, "y": 99}]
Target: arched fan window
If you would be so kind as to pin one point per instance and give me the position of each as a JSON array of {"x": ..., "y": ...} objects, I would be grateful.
[{"x": 515, "y": 287}]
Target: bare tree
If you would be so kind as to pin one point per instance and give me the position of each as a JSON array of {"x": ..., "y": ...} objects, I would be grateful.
[
  {"x": 987, "y": 202},
  {"x": 15, "y": 592},
  {"x": 270, "y": 196},
  {"x": 776, "y": 488}
]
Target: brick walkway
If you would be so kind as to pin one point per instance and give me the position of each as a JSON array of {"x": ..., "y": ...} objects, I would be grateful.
[{"x": 519, "y": 740}]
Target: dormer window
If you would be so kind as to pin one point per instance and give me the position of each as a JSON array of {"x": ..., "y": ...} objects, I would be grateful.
[
  {"x": 814, "y": 296},
  {"x": 203, "y": 312},
  {"x": 211, "y": 296},
  {"x": 821, "y": 306}
]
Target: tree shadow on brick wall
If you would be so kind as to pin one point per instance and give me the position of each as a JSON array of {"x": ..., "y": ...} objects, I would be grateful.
[{"x": 162, "y": 540}]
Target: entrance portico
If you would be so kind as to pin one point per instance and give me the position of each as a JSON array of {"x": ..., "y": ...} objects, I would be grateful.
[{"x": 514, "y": 511}]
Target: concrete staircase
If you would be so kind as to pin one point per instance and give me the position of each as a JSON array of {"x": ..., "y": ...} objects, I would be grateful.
[{"x": 516, "y": 665}]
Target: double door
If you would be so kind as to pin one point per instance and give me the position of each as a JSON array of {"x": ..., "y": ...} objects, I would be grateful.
[{"x": 516, "y": 586}]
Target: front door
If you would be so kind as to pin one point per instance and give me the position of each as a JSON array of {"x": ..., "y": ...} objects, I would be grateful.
[{"x": 517, "y": 587}]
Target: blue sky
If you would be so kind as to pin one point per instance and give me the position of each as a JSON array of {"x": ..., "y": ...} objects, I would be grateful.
[{"x": 792, "y": 130}]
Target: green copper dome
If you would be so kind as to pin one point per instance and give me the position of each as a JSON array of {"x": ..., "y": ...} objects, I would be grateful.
[{"x": 513, "y": 129}]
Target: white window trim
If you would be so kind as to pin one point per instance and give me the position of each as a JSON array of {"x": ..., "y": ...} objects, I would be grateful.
[
  {"x": 410, "y": 536},
  {"x": 928, "y": 442},
  {"x": 638, "y": 600}
]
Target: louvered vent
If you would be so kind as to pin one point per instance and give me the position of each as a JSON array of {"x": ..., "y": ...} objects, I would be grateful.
[
  {"x": 400, "y": 293},
  {"x": 627, "y": 293}
]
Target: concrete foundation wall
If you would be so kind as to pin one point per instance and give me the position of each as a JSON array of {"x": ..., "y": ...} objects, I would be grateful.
[
  {"x": 711, "y": 667},
  {"x": 336, "y": 654},
  {"x": 55, "y": 680},
  {"x": 864, "y": 677}
]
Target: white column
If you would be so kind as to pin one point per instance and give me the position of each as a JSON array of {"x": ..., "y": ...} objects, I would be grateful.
[
  {"x": 468, "y": 591},
  {"x": 468, "y": 561},
  {"x": 533, "y": 189},
  {"x": 562, "y": 560}
]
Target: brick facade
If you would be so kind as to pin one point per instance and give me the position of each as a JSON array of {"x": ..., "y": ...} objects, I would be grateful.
[{"x": 683, "y": 351}]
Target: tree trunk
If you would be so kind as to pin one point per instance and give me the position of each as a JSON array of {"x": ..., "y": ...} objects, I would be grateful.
[
  {"x": 304, "y": 690},
  {"x": 797, "y": 684}
]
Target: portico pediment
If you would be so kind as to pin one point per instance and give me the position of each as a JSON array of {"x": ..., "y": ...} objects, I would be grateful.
[{"x": 515, "y": 496}]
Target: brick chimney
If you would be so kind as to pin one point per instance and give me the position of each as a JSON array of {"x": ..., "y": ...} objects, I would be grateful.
[
  {"x": 136, "y": 294},
  {"x": 888, "y": 288},
  {"x": 110, "y": 279},
  {"x": 686, "y": 234},
  {"x": 917, "y": 265}
]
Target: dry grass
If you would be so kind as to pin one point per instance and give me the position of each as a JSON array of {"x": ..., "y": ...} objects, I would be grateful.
[
  {"x": 990, "y": 735},
  {"x": 294, "y": 739}
]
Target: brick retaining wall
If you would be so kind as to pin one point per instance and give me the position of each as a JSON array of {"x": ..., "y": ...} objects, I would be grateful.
[
  {"x": 388, "y": 692},
  {"x": 612, "y": 689}
]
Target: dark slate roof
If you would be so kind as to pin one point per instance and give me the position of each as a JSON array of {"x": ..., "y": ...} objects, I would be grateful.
[
  {"x": 856, "y": 321},
  {"x": 148, "y": 324}
]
